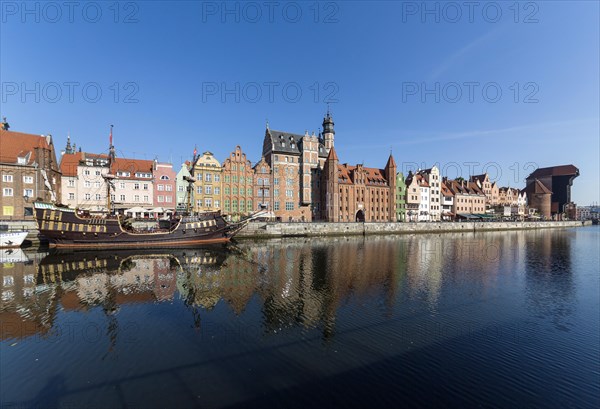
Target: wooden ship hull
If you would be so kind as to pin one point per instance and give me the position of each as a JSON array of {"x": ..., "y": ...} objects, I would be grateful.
[{"x": 65, "y": 228}]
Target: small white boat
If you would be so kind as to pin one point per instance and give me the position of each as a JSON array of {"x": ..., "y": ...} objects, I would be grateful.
[{"x": 12, "y": 239}]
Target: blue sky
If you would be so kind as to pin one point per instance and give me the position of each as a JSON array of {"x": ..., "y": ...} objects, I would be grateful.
[{"x": 503, "y": 87}]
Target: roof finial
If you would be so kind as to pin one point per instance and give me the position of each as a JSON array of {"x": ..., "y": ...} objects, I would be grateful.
[{"x": 267, "y": 123}]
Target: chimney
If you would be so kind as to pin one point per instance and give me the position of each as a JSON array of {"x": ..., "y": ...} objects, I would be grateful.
[{"x": 4, "y": 125}]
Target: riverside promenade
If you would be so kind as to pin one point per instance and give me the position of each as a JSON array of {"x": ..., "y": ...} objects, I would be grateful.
[
  {"x": 316, "y": 229},
  {"x": 276, "y": 229}
]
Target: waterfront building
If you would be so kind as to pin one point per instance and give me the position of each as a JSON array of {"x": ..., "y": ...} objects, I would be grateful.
[
  {"x": 432, "y": 177},
  {"x": 400, "y": 198},
  {"x": 165, "y": 185},
  {"x": 29, "y": 171},
  {"x": 425, "y": 205},
  {"x": 413, "y": 197},
  {"x": 358, "y": 193},
  {"x": 507, "y": 196},
  {"x": 297, "y": 162},
  {"x": 133, "y": 184},
  {"x": 490, "y": 189},
  {"x": 540, "y": 198},
  {"x": 237, "y": 192},
  {"x": 469, "y": 199},
  {"x": 183, "y": 193},
  {"x": 556, "y": 179},
  {"x": 207, "y": 171},
  {"x": 83, "y": 183},
  {"x": 264, "y": 189},
  {"x": 447, "y": 202}
]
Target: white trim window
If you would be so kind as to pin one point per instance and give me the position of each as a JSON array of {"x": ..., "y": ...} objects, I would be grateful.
[
  {"x": 6, "y": 178},
  {"x": 7, "y": 191},
  {"x": 28, "y": 179}
]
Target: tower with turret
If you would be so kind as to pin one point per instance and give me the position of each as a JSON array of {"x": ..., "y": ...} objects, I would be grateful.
[{"x": 328, "y": 131}]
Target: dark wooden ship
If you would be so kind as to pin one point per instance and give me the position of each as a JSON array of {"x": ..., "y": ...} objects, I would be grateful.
[{"x": 70, "y": 228}]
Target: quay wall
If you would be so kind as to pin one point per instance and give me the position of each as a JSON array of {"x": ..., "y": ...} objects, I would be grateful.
[{"x": 269, "y": 229}]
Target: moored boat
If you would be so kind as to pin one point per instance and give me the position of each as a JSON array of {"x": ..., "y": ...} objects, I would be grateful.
[
  {"x": 70, "y": 228},
  {"x": 12, "y": 239}
]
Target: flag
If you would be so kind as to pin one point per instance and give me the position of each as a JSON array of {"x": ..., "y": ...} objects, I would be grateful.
[
  {"x": 110, "y": 137},
  {"x": 195, "y": 151}
]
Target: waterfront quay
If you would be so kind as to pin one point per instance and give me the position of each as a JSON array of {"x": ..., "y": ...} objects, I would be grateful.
[{"x": 498, "y": 319}]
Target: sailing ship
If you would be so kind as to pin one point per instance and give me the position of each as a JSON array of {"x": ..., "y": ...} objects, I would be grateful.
[{"x": 65, "y": 227}]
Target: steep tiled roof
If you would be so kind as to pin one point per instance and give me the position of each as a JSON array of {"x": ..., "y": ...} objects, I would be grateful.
[
  {"x": 17, "y": 144},
  {"x": 332, "y": 155},
  {"x": 70, "y": 161},
  {"x": 130, "y": 165},
  {"x": 292, "y": 143},
  {"x": 373, "y": 176}
]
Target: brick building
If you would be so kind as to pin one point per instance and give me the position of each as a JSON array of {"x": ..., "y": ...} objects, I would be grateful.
[
  {"x": 29, "y": 172},
  {"x": 237, "y": 185}
]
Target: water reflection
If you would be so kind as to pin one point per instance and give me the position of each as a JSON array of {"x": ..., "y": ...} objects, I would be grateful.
[
  {"x": 300, "y": 282},
  {"x": 261, "y": 321}
]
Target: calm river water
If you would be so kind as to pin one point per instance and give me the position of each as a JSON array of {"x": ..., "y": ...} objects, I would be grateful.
[{"x": 506, "y": 319}]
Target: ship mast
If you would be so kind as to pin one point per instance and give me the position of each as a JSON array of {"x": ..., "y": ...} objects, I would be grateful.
[{"x": 109, "y": 177}]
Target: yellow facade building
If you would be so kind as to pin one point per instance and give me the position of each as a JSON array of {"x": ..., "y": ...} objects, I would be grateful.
[{"x": 207, "y": 189}]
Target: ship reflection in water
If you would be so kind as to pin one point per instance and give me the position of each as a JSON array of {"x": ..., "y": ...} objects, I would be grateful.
[{"x": 454, "y": 319}]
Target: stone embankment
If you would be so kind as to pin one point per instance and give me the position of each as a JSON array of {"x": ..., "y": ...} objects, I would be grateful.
[{"x": 269, "y": 229}]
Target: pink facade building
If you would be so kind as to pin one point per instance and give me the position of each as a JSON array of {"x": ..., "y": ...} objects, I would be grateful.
[{"x": 164, "y": 185}]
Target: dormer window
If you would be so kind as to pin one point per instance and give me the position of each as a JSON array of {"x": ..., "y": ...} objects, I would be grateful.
[{"x": 21, "y": 160}]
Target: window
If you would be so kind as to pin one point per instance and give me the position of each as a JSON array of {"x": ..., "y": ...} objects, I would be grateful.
[
  {"x": 161, "y": 199},
  {"x": 289, "y": 205},
  {"x": 227, "y": 180},
  {"x": 227, "y": 204},
  {"x": 124, "y": 174},
  {"x": 96, "y": 184},
  {"x": 217, "y": 178},
  {"x": 169, "y": 199},
  {"x": 145, "y": 186},
  {"x": 289, "y": 193},
  {"x": 7, "y": 191},
  {"x": 21, "y": 161},
  {"x": 235, "y": 190},
  {"x": 208, "y": 177},
  {"x": 169, "y": 188},
  {"x": 146, "y": 199},
  {"x": 71, "y": 196},
  {"x": 234, "y": 205},
  {"x": 86, "y": 172},
  {"x": 180, "y": 188},
  {"x": 28, "y": 192},
  {"x": 234, "y": 179},
  {"x": 97, "y": 173},
  {"x": 276, "y": 205},
  {"x": 249, "y": 205},
  {"x": 276, "y": 181},
  {"x": 121, "y": 185},
  {"x": 227, "y": 190},
  {"x": 88, "y": 196},
  {"x": 276, "y": 192},
  {"x": 263, "y": 169},
  {"x": 217, "y": 191},
  {"x": 112, "y": 197},
  {"x": 208, "y": 190},
  {"x": 160, "y": 188},
  {"x": 249, "y": 191},
  {"x": 98, "y": 196},
  {"x": 29, "y": 179},
  {"x": 87, "y": 183},
  {"x": 242, "y": 205},
  {"x": 136, "y": 186},
  {"x": 164, "y": 177},
  {"x": 199, "y": 190},
  {"x": 136, "y": 198},
  {"x": 122, "y": 198}
]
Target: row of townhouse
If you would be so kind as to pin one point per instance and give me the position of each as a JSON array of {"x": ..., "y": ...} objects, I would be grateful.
[
  {"x": 133, "y": 182},
  {"x": 298, "y": 178}
]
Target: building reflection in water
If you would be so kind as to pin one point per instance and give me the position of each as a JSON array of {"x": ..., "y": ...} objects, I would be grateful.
[{"x": 298, "y": 282}]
